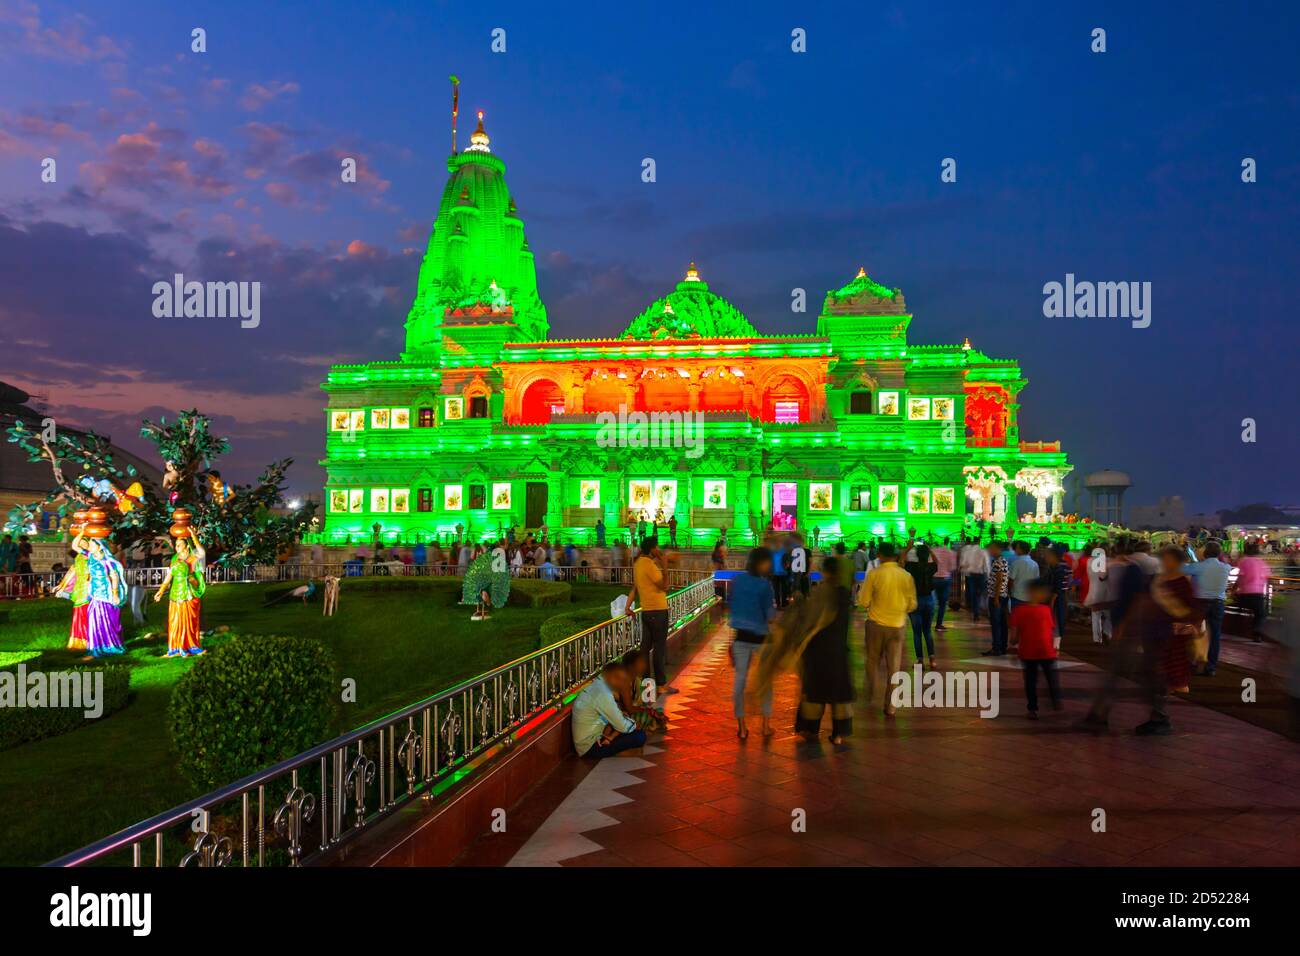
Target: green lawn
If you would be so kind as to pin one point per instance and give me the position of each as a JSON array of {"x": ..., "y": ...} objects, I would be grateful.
[{"x": 399, "y": 646}]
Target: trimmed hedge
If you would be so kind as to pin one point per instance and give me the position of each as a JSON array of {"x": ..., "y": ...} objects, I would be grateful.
[
  {"x": 250, "y": 703},
  {"x": 566, "y": 625},
  {"x": 380, "y": 584},
  {"x": 530, "y": 592},
  {"x": 21, "y": 725}
]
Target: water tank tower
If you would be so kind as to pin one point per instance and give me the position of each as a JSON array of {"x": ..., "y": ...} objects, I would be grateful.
[{"x": 1107, "y": 488}]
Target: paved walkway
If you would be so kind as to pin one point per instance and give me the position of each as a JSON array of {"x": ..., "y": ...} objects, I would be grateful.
[{"x": 932, "y": 787}]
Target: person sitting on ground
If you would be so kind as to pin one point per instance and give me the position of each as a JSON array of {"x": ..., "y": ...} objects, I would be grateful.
[
  {"x": 600, "y": 728},
  {"x": 646, "y": 717},
  {"x": 1031, "y": 625}
]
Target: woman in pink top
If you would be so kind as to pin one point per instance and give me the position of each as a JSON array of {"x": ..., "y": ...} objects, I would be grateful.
[{"x": 1252, "y": 586}]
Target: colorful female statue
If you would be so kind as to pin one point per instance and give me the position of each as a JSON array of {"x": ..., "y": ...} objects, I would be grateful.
[
  {"x": 108, "y": 592},
  {"x": 76, "y": 586},
  {"x": 187, "y": 581}
]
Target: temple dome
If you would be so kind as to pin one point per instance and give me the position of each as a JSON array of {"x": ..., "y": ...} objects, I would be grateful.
[
  {"x": 690, "y": 311},
  {"x": 477, "y": 268}
]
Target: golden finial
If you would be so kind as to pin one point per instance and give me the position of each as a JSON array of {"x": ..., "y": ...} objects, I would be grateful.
[
  {"x": 478, "y": 140},
  {"x": 692, "y": 273},
  {"x": 862, "y": 273}
]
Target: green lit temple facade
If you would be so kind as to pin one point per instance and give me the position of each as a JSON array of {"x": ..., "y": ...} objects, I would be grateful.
[{"x": 484, "y": 422}]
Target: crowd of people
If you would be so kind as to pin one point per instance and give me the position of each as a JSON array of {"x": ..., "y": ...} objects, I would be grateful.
[{"x": 1159, "y": 610}]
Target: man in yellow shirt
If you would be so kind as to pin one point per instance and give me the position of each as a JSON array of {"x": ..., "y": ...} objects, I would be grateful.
[
  {"x": 889, "y": 596},
  {"x": 650, "y": 588}
]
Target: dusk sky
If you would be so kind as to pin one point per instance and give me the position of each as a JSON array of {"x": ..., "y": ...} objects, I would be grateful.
[{"x": 776, "y": 170}]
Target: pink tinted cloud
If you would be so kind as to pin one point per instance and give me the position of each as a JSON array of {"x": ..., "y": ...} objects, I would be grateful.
[
  {"x": 257, "y": 95},
  {"x": 71, "y": 40}
]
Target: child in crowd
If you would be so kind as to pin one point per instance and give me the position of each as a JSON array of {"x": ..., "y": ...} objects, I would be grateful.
[{"x": 1031, "y": 627}]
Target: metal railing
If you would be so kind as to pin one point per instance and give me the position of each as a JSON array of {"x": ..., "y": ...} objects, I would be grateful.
[
  {"x": 303, "y": 808},
  {"x": 41, "y": 583}
]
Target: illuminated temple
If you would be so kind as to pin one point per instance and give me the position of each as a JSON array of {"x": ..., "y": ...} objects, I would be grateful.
[{"x": 484, "y": 422}]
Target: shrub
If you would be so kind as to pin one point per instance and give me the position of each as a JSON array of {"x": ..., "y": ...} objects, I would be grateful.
[
  {"x": 571, "y": 622},
  {"x": 20, "y": 725},
  {"x": 530, "y": 592},
  {"x": 248, "y": 704}
]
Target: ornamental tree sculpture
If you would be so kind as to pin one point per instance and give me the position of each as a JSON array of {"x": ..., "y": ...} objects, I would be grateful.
[
  {"x": 982, "y": 483},
  {"x": 234, "y": 522},
  {"x": 1042, "y": 483}
]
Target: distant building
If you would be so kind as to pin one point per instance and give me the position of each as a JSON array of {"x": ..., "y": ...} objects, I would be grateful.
[{"x": 1107, "y": 489}]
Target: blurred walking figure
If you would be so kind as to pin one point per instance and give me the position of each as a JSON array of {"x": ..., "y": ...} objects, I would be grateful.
[
  {"x": 889, "y": 595},
  {"x": 922, "y": 568},
  {"x": 1210, "y": 577},
  {"x": 999, "y": 596},
  {"x": 753, "y": 605},
  {"x": 1252, "y": 588},
  {"x": 1097, "y": 593},
  {"x": 945, "y": 567},
  {"x": 1031, "y": 626},
  {"x": 974, "y": 564},
  {"x": 812, "y": 636}
]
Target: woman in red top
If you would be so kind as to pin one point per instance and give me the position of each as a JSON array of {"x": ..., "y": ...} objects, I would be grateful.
[
  {"x": 1174, "y": 616},
  {"x": 1031, "y": 633}
]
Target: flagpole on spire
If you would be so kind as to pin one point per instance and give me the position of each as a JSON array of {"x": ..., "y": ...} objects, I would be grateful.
[{"x": 455, "y": 108}]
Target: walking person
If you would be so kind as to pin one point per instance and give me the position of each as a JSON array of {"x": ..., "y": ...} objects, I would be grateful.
[
  {"x": 780, "y": 573},
  {"x": 1252, "y": 588},
  {"x": 945, "y": 567},
  {"x": 1097, "y": 593},
  {"x": 1023, "y": 570},
  {"x": 922, "y": 568},
  {"x": 826, "y": 679},
  {"x": 1170, "y": 613},
  {"x": 1210, "y": 578},
  {"x": 1058, "y": 577},
  {"x": 998, "y": 596},
  {"x": 648, "y": 586},
  {"x": 888, "y": 594},
  {"x": 1032, "y": 624},
  {"x": 860, "y": 561},
  {"x": 753, "y": 606},
  {"x": 974, "y": 565}
]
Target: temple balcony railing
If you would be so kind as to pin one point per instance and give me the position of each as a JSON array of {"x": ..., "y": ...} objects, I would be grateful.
[{"x": 302, "y": 810}]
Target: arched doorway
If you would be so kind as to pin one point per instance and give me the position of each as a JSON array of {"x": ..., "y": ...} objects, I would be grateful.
[
  {"x": 786, "y": 401},
  {"x": 542, "y": 399}
]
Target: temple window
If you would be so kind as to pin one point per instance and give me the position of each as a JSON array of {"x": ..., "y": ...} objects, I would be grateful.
[
  {"x": 477, "y": 496},
  {"x": 478, "y": 407},
  {"x": 425, "y": 419},
  {"x": 860, "y": 498},
  {"x": 424, "y": 497},
  {"x": 786, "y": 413},
  {"x": 860, "y": 403}
]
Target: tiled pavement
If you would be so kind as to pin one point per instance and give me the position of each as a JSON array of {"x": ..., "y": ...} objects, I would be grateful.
[{"x": 933, "y": 787}]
